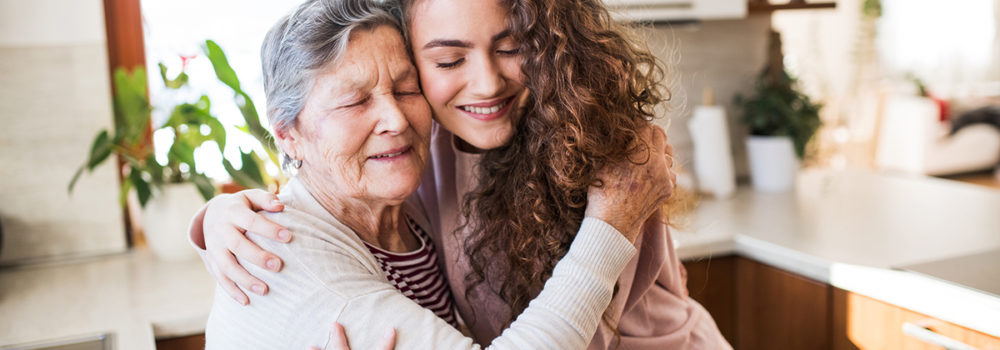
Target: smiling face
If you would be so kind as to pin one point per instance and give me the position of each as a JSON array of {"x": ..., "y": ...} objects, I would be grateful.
[
  {"x": 365, "y": 127},
  {"x": 469, "y": 68}
]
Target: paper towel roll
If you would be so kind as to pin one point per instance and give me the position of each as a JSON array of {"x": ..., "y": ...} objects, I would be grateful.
[{"x": 713, "y": 160}]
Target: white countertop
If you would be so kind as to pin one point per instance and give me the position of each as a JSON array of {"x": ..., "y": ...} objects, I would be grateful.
[
  {"x": 852, "y": 229},
  {"x": 846, "y": 229},
  {"x": 132, "y": 295}
]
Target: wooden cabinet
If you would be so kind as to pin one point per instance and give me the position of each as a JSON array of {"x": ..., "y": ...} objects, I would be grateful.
[
  {"x": 776, "y": 309},
  {"x": 191, "y": 342},
  {"x": 712, "y": 283},
  {"x": 760, "y": 307},
  {"x": 866, "y": 323},
  {"x": 757, "y": 306}
]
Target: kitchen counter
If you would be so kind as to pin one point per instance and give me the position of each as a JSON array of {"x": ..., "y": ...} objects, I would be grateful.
[
  {"x": 851, "y": 230},
  {"x": 134, "y": 296},
  {"x": 856, "y": 230}
]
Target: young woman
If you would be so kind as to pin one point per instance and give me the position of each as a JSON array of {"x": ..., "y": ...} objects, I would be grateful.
[{"x": 533, "y": 99}]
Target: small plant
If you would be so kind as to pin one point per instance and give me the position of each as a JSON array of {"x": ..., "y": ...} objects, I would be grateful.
[
  {"x": 129, "y": 138},
  {"x": 253, "y": 173},
  {"x": 777, "y": 108},
  {"x": 191, "y": 125}
]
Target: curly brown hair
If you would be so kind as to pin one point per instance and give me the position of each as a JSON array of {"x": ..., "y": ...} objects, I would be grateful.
[{"x": 593, "y": 87}]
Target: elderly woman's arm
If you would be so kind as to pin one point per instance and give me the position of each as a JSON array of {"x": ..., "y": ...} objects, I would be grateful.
[{"x": 330, "y": 278}]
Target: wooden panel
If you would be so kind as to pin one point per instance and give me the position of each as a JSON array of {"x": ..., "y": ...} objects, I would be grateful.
[
  {"x": 865, "y": 323},
  {"x": 779, "y": 310},
  {"x": 123, "y": 21},
  {"x": 711, "y": 283},
  {"x": 126, "y": 49},
  {"x": 192, "y": 342}
]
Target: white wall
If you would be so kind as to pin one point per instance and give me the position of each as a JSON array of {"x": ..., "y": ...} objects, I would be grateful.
[
  {"x": 725, "y": 55},
  {"x": 54, "y": 97}
]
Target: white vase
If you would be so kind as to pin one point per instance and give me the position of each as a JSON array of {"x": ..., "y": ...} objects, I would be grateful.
[
  {"x": 166, "y": 218},
  {"x": 773, "y": 163}
]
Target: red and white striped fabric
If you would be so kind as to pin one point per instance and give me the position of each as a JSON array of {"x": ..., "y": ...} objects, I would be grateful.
[{"x": 416, "y": 274}]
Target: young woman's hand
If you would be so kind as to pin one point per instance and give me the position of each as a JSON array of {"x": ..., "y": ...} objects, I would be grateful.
[
  {"x": 339, "y": 339},
  {"x": 227, "y": 219},
  {"x": 633, "y": 190}
]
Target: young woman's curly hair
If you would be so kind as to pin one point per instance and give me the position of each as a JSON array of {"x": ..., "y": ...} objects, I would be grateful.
[{"x": 593, "y": 87}]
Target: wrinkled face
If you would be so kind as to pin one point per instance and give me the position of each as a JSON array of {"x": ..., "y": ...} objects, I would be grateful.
[
  {"x": 365, "y": 128},
  {"x": 469, "y": 68}
]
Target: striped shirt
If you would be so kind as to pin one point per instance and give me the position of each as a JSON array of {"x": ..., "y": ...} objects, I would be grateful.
[{"x": 416, "y": 274}]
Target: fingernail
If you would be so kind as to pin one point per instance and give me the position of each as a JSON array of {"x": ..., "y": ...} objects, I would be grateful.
[
  {"x": 284, "y": 235},
  {"x": 273, "y": 264},
  {"x": 259, "y": 289},
  {"x": 388, "y": 333},
  {"x": 276, "y": 203}
]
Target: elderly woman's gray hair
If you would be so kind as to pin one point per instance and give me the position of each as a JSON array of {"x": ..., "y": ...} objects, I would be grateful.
[{"x": 310, "y": 37}]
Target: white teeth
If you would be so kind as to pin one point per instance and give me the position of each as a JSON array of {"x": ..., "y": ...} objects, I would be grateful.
[
  {"x": 484, "y": 110},
  {"x": 388, "y": 155}
]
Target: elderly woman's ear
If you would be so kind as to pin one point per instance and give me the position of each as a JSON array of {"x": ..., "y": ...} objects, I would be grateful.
[{"x": 289, "y": 141}]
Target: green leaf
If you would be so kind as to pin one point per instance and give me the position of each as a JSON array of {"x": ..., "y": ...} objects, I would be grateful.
[
  {"x": 204, "y": 185},
  {"x": 123, "y": 193},
  {"x": 99, "y": 150},
  {"x": 141, "y": 186},
  {"x": 175, "y": 83},
  {"x": 182, "y": 151},
  {"x": 220, "y": 63},
  {"x": 245, "y": 178},
  {"x": 250, "y": 166},
  {"x": 76, "y": 176}
]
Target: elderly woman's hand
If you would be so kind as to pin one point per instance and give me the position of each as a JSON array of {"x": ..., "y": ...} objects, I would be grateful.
[
  {"x": 227, "y": 218},
  {"x": 634, "y": 190},
  {"x": 339, "y": 339}
]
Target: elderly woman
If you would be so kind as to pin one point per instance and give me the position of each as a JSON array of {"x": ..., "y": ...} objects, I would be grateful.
[{"x": 345, "y": 104}]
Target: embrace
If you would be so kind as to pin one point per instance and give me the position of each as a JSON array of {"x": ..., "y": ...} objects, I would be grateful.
[{"x": 467, "y": 173}]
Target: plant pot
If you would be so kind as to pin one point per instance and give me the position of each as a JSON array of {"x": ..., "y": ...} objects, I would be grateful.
[
  {"x": 166, "y": 219},
  {"x": 773, "y": 163}
]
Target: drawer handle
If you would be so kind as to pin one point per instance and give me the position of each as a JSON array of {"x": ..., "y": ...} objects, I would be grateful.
[{"x": 926, "y": 335}]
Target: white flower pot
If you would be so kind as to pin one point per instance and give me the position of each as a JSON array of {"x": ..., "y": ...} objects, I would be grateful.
[
  {"x": 773, "y": 163},
  {"x": 166, "y": 218}
]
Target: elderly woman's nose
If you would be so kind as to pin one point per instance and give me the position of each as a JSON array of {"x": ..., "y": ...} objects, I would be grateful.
[{"x": 391, "y": 117}]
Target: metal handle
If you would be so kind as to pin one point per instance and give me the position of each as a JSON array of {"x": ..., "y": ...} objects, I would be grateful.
[{"x": 927, "y": 335}]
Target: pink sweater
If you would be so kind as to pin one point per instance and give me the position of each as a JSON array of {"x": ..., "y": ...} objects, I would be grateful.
[{"x": 652, "y": 303}]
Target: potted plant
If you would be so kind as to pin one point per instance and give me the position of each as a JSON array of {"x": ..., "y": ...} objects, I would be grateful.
[
  {"x": 163, "y": 187},
  {"x": 781, "y": 119},
  {"x": 169, "y": 192}
]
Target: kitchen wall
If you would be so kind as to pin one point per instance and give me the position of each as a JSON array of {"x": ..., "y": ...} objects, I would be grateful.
[
  {"x": 725, "y": 55},
  {"x": 54, "y": 97}
]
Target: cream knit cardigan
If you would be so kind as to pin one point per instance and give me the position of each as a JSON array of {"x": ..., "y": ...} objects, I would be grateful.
[{"x": 330, "y": 276}]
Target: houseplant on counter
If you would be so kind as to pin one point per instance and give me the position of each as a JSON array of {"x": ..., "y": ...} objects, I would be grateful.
[
  {"x": 169, "y": 190},
  {"x": 782, "y": 120}
]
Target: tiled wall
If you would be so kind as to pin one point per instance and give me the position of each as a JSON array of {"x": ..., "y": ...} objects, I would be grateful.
[
  {"x": 725, "y": 55},
  {"x": 54, "y": 97}
]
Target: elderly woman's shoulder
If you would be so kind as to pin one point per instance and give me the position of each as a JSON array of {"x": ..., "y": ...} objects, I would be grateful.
[{"x": 312, "y": 227}]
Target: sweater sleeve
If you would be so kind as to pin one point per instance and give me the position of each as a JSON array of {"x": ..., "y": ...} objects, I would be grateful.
[
  {"x": 564, "y": 315},
  {"x": 196, "y": 235}
]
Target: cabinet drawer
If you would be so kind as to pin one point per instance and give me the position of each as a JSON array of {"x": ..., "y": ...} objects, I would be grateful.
[{"x": 864, "y": 323}]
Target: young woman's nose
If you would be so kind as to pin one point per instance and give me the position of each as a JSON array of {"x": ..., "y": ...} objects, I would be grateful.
[{"x": 486, "y": 79}]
